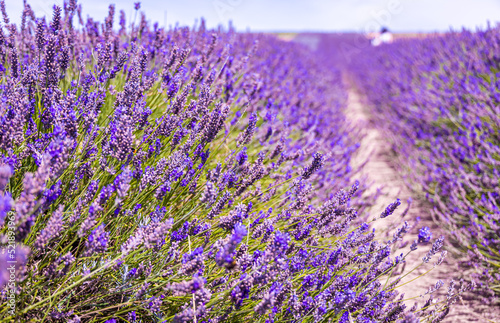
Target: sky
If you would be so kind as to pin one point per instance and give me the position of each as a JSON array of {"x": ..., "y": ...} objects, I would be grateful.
[{"x": 295, "y": 15}]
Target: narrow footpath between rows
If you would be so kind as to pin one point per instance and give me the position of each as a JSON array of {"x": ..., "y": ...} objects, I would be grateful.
[{"x": 380, "y": 171}]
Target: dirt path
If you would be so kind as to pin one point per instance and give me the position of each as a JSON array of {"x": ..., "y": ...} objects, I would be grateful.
[{"x": 379, "y": 170}]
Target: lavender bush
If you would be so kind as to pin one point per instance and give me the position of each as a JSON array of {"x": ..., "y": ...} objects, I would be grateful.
[
  {"x": 183, "y": 175},
  {"x": 438, "y": 98}
]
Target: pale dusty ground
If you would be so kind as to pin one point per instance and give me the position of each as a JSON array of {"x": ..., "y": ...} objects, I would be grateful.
[{"x": 376, "y": 148}]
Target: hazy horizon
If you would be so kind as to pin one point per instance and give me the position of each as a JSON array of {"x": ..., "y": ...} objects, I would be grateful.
[{"x": 404, "y": 16}]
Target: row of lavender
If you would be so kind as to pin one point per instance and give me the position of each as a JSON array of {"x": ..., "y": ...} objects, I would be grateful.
[
  {"x": 439, "y": 99},
  {"x": 185, "y": 175}
]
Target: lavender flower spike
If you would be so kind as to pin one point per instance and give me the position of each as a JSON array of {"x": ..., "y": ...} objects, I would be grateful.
[
  {"x": 225, "y": 255},
  {"x": 317, "y": 163},
  {"x": 436, "y": 246},
  {"x": 424, "y": 235},
  {"x": 5, "y": 174},
  {"x": 52, "y": 230},
  {"x": 390, "y": 209}
]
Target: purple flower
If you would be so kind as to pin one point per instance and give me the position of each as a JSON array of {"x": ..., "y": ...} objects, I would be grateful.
[
  {"x": 225, "y": 255},
  {"x": 214, "y": 122},
  {"x": 154, "y": 304},
  {"x": 131, "y": 316},
  {"x": 5, "y": 206},
  {"x": 242, "y": 290},
  {"x": 90, "y": 191},
  {"x": 151, "y": 236},
  {"x": 122, "y": 182},
  {"x": 246, "y": 136},
  {"x": 51, "y": 230},
  {"x": 105, "y": 194},
  {"x": 194, "y": 262},
  {"x": 14, "y": 63},
  {"x": 390, "y": 209},
  {"x": 97, "y": 241},
  {"x": 217, "y": 207},
  {"x": 132, "y": 272},
  {"x": 56, "y": 20},
  {"x": 51, "y": 72},
  {"x": 210, "y": 194},
  {"x": 4, "y": 12},
  {"x": 52, "y": 193},
  {"x": 142, "y": 290},
  {"x": 318, "y": 161},
  {"x": 162, "y": 190},
  {"x": 424, "y": 235},
  {"x": 33, "y": 185},
  {"x": 16, "y": 259},
  {"x": 279, "y": 244},
  {"x": 436, "y": 246},
  {"x": 345, "y": 318},
  {"x": 242, "y": 156},
  {"x": 121, "y": 137},
  {"x": 267, "y": 302},
  {"x": 61, "y": 315},
  {"x": 122, "y": 58}
]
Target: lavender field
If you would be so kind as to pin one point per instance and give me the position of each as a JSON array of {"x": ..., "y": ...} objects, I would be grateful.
[{"x": 192, "y": 174}]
